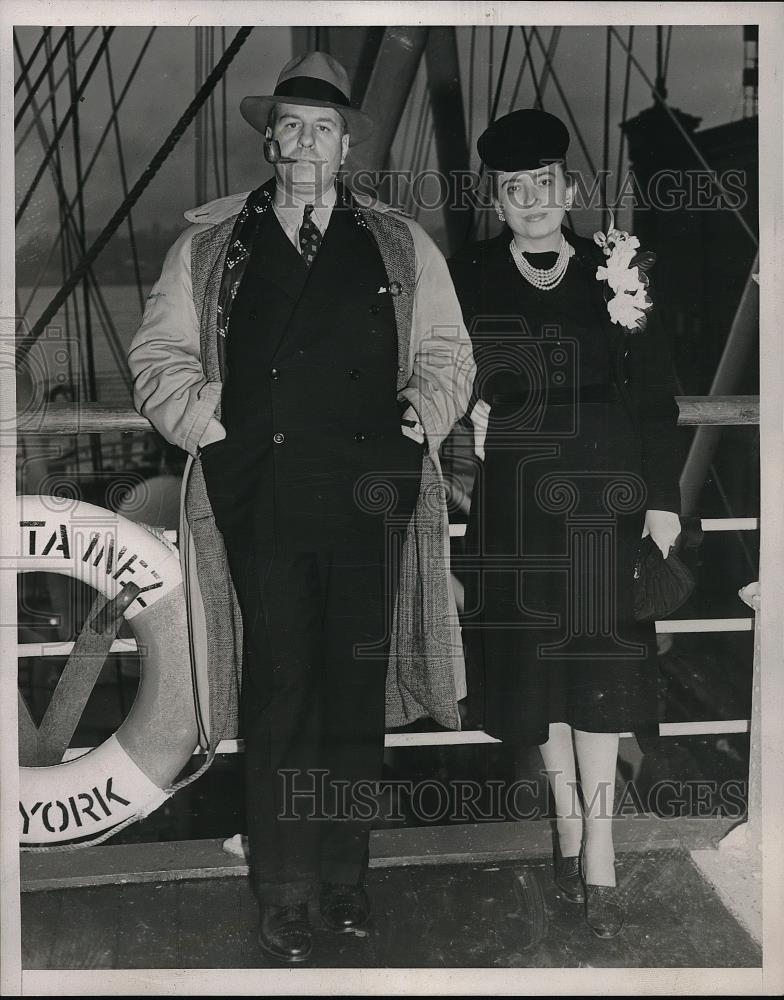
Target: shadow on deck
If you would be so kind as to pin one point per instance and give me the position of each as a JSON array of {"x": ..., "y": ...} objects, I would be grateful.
[{"x": 502, "y": 915}]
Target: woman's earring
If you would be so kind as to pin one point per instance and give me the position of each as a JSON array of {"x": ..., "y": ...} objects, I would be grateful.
[{"x": 501, "y": 216}]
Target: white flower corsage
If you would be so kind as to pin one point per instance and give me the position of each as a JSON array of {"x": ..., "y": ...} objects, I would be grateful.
[{"x": 625, "y": 274}]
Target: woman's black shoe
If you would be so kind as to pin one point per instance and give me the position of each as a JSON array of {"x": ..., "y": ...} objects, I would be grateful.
[
  {"x": 285, "y": 933},
  {"x": 344, "y": 907},
  {"x": 603, "y": 911},
  {"x": 568, "y": 878}
]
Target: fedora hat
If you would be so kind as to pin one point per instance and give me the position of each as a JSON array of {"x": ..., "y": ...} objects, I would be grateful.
[{"x": 316, "y": 80}]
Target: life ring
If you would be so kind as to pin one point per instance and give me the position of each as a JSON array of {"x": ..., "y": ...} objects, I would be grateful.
[{"x": 130, "y": 774}]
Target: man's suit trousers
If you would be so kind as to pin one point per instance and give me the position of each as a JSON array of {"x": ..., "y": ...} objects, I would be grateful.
[{"x": 311, "y": 709}]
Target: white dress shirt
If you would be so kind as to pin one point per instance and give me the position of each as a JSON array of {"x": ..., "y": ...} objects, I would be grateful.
[{"x": 290, "y": 209}]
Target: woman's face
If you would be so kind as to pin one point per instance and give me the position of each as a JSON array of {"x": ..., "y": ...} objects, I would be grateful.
[{"x": 533, "y": 202}]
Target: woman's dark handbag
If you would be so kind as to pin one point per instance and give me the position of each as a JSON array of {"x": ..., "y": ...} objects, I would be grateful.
[{"x": 661, "y": 585}]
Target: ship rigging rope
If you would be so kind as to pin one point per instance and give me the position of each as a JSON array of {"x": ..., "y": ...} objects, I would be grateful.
[
  {"x": 93, "y": 158},
  {"x": 667, "y": 54},
  {"x": 555, "y": 36},
  {"x": 95, "y": 445},
  {"x": 690, "y": 142},
  {"x": 34, "y": 88},
  {"x": 66, "y": 249},
  {"x": 490, "y": 58},
  {"x": 518, "y": 83},
  {"x": 53, "y": 88},
  {"x": 66, "y": 119},
  {"x": 139, "y": 187},
  {"x": 565, "y": 102},
  {"x": 214, "y": 128},
  {"x": 494, "y": 105},
  {"x": 606, "y": 130},
  {"x": 530, "y": 60},
  {"x": 471, "y": 72},
  {"x": 501, "y": 74},
  {"x": 224, "y": 123},
  {"x": 123, "y": 178},
  {"x": 624, "y": 112},
  {"x": 25, "y": 67}
]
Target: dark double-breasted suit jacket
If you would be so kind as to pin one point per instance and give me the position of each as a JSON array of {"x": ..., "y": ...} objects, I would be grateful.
[{"x": 310, "y": 396}]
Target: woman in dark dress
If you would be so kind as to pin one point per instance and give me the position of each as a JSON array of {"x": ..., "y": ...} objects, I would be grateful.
[{"x": 574, "y": 421}]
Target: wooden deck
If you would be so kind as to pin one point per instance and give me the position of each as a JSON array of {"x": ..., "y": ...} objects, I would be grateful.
[{"x": 488, "y": 915}]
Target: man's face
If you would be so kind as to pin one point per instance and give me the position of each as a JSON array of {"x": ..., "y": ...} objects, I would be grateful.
[
  {"x": 315, "y": 138},
  {"x": 534, "y": 201}
]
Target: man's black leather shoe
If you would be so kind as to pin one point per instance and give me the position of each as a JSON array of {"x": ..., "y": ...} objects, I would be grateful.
[
  {"x": 285, "y": 933},
  {"x": 344, "y": 907}
]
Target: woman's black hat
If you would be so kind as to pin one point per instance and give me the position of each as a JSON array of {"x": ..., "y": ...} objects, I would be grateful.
[{"x": 523, "y": 140}]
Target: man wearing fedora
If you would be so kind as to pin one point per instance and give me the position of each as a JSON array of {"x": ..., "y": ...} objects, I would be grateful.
[{"x": 307, "y": 350}]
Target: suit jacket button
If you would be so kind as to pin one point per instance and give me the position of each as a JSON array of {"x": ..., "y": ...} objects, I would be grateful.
[
  {"x": 253, "y": 315},
  {"x": 278, "y": 438},
  {"x": 354, "y": 374},
  {"x": 274, "y": 374},
  {"x": 359, "y": 436},
  {"x": 375, "y": 308}
]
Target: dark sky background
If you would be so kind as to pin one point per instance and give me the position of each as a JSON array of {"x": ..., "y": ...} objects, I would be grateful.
[{"x": 704, "y": 79}]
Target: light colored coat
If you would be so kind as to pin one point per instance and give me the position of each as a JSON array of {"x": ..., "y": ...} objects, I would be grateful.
[{"x": 177, "y": 386}]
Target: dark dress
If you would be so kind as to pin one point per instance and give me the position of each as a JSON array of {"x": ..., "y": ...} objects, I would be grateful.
[{"x": 581, "y": 442}]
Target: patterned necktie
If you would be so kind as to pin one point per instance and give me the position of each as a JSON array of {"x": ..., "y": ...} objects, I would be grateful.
[{"x": 309, "y": 236}]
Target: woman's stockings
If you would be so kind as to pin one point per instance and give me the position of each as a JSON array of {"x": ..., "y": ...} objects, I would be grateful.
[
  {"x": 558, "y": 756},
  {"x": 597, "y": 757}
]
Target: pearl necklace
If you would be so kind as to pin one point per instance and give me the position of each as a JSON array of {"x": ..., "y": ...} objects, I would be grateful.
[{"x": 544, "y": 280}]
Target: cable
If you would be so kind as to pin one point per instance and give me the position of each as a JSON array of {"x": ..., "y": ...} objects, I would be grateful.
[
  {"x": 701, "y": 159},
  {"x": 123, "y": 179},
  {"x": 518, "y": 83},
  {"x": 565, "y": 102},
  {"x": 530, "y": 61},
  {"x": 471, "y": 60},
  {"x": 500, "y": 83},
  {"x": 98, "y": 148},
  {"x": 214, "y": 126},
  {"x": 25, "y": 67},
  {"x": 545, "y": 75},
  {"x": 224, "y": 122},
  {"x": 667, "y": 54},
  {"x": 138, "y": 189},
  {"x": 606, "y": 137},
  {"x": 95, "y": 444},
  {"x": 490, "y": 56},
  {"x": 69, "y": 227},
  {"x": 34, "y": 87},
  {"x": 624, "y": 112},
  {"x": 52, "y": 89},
  {"x": 66, "y": 119},
  {"x": 77, "y": 382}
]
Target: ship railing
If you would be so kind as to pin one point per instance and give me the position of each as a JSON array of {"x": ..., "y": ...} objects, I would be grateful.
[{"x": 70, "y": 419}]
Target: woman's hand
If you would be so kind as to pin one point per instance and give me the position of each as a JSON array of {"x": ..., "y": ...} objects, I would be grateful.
[
  {"x": 664, "y": 527},
  {"x": 411, "y": 427},
  {"x": 480, "y": 417}
]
